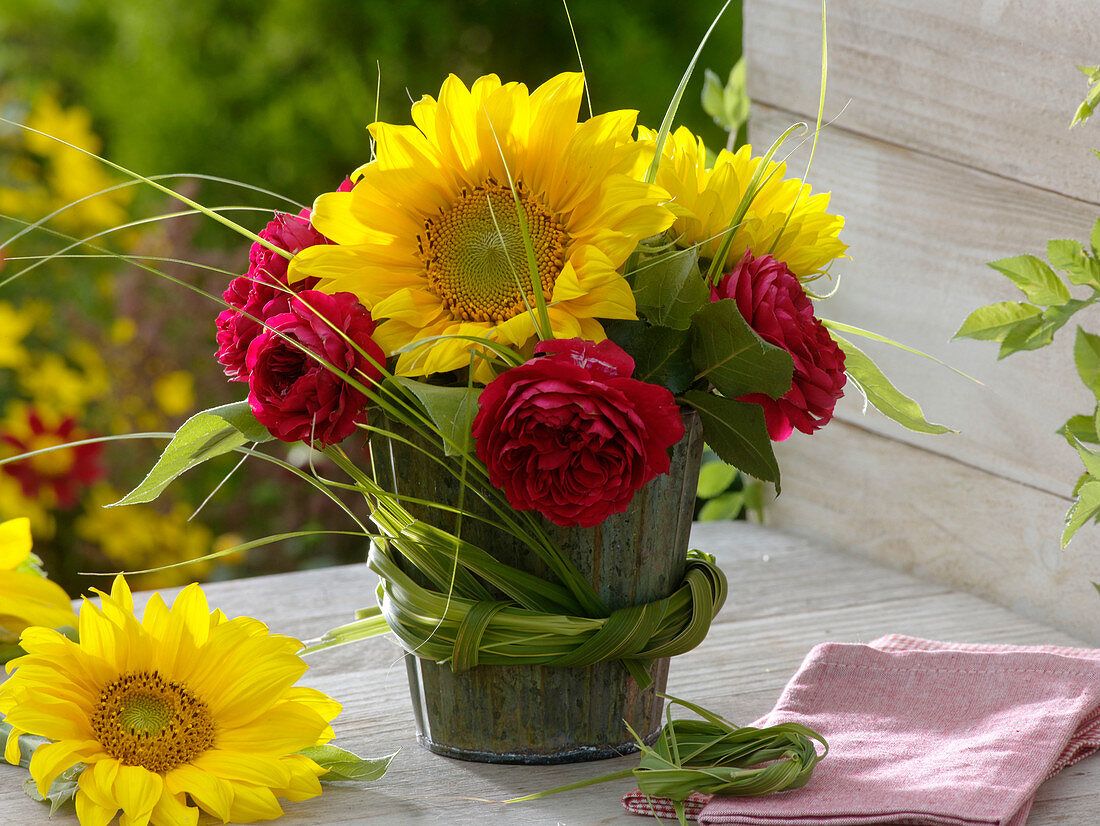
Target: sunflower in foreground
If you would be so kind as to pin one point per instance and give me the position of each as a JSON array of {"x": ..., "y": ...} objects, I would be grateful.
[
  {"x": 26, "y": 597},
  {"x": 430, "y": 237},
  {"x": 182, "y": 709},
  {"x": 784, "y": 219}
]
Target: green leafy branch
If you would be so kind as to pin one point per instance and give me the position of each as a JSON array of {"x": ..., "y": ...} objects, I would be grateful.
[{"x": 1032, "y": 324}]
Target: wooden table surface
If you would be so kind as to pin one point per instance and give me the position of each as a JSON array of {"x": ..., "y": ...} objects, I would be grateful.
[{"x": 786, "y": 595}]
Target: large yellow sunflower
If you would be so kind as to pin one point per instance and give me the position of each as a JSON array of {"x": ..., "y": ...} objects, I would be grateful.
[
  {"x": 784, "y": 219},
  {"x": 181, "y": 707},
  {"x": 430, "y": 241},
  {"x": 25, "y": 597}
]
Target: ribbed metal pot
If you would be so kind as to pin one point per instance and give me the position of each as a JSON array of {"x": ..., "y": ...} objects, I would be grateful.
[{"x": 541, "y": 714}]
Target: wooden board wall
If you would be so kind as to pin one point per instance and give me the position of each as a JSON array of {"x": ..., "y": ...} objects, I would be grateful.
[{"x": 949, "y": 149}]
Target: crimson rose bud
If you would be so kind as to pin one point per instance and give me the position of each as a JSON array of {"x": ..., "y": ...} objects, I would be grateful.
[
  {"x": 571, "y": 434},
  {"x": 292, "y": 394},
  {"x": 775, "y": 305}
]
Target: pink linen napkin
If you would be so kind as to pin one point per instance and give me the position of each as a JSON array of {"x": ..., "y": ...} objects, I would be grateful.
[{"x": 927, "y": 733}]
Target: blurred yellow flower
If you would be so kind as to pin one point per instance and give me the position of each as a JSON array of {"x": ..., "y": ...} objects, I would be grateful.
[
  {"x": 14, "y": 326},
  {"x": 139, "y": 537},
  {"x": 55, "y": 385},
  {"x": 26, "y": 597},
  {"x": 784, "y": 220},
  {"x": 14, "y": 503},
  {"x": 179, "y": 711},
  {"x": 175, "y": 392},
  {"x": 63, "y": 175}
]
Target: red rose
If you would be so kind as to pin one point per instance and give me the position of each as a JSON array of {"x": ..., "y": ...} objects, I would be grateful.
[
  {"x": 571, "y": 435},
  {"x": 774, "y": 304},
  {"x": 264, "y": 291},
  {"x": 290, "y": 392}
]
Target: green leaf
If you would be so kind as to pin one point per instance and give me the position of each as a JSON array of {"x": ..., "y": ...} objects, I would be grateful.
[
  {"x": 663, "y": 356},
  {"x": 729, "y": 353},
  {"x": 669, "y": 288},
  {"x": 727, "y": 104},
  {"x": 452, "y": 411},
  {"x": 1037, "y": 280},
  {"x": 1086, "y": 355},
  {"x": 737, "y": 433},
  {"x": 1071, "y": 256},
  {"x": 204, "y": 436},
  {"x": 61, "y": 792},
  {"x": 727, "y": 506},
  {"x": 1080, "y": 428},
  {"x": 1034, "y": 333},
  {"x": 1090, "y": 459},
  {"x": 714, "y": 478},
  {"x": 881, "y": 393},
  {"x": 343, "y": 765},
  {"x": 1094, "y": 237},
  {"x": 995, "y": 321},
  {"x": 1084, "y": 509},
  {"x": 713, "y": 96}
]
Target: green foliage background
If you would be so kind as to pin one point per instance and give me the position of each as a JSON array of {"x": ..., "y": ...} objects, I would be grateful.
[{"x": 277, "y": 92}]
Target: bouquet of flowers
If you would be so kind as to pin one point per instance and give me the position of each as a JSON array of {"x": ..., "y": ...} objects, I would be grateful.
[{"x": 527, "y": 311}]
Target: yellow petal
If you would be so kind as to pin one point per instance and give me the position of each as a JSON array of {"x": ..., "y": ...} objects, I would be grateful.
[
  {"x": 137, "y": 790},
  {"x": 172, "y": 810},
  {"x": 251, "y": 768},
  {"x": 252, "y": 803},
  {"x": 211, "y": 793},
  {"x": 90, "y": 813},
  {"x": 283, "y": 729},
  {"x": 51, "y": 759},
  {"x": 15, "y": 542}
]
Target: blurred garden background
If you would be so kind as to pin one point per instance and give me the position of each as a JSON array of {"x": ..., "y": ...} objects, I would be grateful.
[{"x": 101, "y": 340}]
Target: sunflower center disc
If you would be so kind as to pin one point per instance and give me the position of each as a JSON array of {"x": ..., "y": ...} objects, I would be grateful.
[
  {"x": 476, "y": 258},
  {"x": 143, "y": 720}
]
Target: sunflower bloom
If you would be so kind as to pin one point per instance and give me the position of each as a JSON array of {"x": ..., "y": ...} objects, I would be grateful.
[
  {"x": 25, "y": 597},
  {"x": 183, "y": 706},
  {"x": 784, "y": 219},
  {"x": 430, "y": 239}
]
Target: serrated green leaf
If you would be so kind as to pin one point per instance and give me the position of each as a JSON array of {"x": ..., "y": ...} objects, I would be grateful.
[
  {"x": 886, "y": 398},
  {"x": 1086, "y": 355},
  {"x": 1090, "y": 459},
  {"x": 729, "y": 353},
  {"x": 343, "y": 765},
  {"x": 1080, "y": 428},
  {"x": 737, "y": 433},
  {"x": 669, "y": 288},
  {"x": 1070, "y": 256},
  {"x": 995, "y": 321},
  {"x": 1085, "y": 508},
  {"x": 1094, "y": 236},
  {"x": 452, "y": 411},
  {"x": 1029, "y": 334},
  {"x": 1034, "y": 333},
  {"x": 204, "y": 436},
  {"x": 714, "y": 478},
  {"x": 727, "y": 506},
  {"x": 663, "y": 356},
  {"x": 1035, "y": 278}
]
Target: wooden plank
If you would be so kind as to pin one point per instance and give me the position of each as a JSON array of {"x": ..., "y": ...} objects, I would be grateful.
[
  {"x": 739, "y": 671},
  {"x": 941, "y": 520},
  {"x": 920, "y": 232},
  {"x": 989, "y": 84}
]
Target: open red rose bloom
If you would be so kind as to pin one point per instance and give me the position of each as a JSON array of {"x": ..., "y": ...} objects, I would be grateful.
[
  {"x": 290, "y": 391},
  {"x": 776, "y": 306},
  {"x": 571, "y": 434}
]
